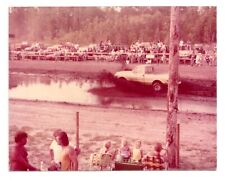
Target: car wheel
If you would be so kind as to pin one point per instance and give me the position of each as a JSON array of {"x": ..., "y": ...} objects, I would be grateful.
[
  {"x": 157, "y": 86},
  {"x": 122, "y": 80}
]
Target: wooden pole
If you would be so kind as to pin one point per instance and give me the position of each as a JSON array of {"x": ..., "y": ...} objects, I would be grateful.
[
  {"x": 178, "y": 146},
  {"x": 172, "y": 107},
  {"x": 77, "y": 130}
]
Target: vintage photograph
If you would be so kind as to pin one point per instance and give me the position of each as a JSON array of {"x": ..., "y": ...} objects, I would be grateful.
[{"x": 112, "y": 88}]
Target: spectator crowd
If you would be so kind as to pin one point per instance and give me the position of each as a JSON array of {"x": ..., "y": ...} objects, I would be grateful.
[
  {"x": 137, "y": 52},
  {"x": 64, "y": 156}
]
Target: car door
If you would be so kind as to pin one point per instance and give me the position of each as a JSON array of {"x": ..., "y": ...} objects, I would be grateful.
[
  {"x": 149, "y": 75},
  {"x": 138, "y": 74}
]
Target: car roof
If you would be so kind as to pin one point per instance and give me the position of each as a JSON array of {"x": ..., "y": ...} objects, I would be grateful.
[{"x": 145, "y": 65}]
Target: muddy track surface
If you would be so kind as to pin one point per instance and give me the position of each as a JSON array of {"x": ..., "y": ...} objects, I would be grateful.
[{"x": 200, "y": 81}]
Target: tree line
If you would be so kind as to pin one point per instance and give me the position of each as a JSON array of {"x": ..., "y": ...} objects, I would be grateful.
[{"x": 120, "y": 25}]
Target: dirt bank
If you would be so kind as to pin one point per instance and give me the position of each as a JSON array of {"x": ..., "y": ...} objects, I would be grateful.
[{"x": 39, "y": 119}]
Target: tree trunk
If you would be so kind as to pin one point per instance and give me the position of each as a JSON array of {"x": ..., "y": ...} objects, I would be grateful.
[{"x": 172, "y": 106}]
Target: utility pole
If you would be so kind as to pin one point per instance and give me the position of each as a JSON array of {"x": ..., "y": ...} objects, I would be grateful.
[{"x": 172, "y": 131}]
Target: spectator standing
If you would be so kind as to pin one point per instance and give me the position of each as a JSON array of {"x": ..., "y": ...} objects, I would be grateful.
[
  {"x": 198, "y": 59},
  {"x": 193, "y": 56},
  {"x": 207, "y": 59},
  {"x": 55, "y": 151},
  {"x": 68, "y": 159},
  {"x": 19, "y": 156}
]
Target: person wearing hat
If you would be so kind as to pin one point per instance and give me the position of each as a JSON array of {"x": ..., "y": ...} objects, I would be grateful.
[{"x": 19, "y": 156}]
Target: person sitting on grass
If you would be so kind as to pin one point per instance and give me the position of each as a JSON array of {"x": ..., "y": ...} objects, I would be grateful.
[{"x": 19, "y": 156}]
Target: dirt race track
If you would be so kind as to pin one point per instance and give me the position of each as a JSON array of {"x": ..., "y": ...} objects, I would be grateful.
[{"x": 198, "y": 148}]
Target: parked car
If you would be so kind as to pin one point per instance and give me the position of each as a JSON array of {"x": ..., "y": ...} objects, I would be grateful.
[
  {"x": 185, "y": 51},
  {"x": 144, "y": 74}
]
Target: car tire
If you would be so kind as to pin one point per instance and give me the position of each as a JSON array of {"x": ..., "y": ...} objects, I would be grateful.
[
  {"x": 157, "y": 86},
  {"x": 123, "y": 80}
]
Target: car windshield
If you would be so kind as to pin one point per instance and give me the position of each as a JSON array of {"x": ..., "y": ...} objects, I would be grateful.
[{"x": 143, "y": 69}]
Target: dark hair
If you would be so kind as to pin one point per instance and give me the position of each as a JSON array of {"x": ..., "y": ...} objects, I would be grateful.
[
  {"x": 63, "y": 138},
  {"x": 20, "y": 135},
  {"x": 158, "y": 147}
]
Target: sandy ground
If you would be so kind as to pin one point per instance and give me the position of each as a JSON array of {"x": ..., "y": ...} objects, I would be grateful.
[{"x": 97, "y": 125}]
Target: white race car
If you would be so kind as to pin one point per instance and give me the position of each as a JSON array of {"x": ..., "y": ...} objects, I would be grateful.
[{"x": 144, "y": 74}]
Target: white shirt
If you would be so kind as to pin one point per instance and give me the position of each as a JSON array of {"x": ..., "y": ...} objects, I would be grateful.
[{"x": 57, "y": 150}]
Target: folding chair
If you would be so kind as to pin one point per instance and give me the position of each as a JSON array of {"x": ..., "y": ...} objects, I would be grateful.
[
  {"x": 106, "y": 162},
  {"x": 103, "y": 161},
  {"x": 95, "y": 159}
]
